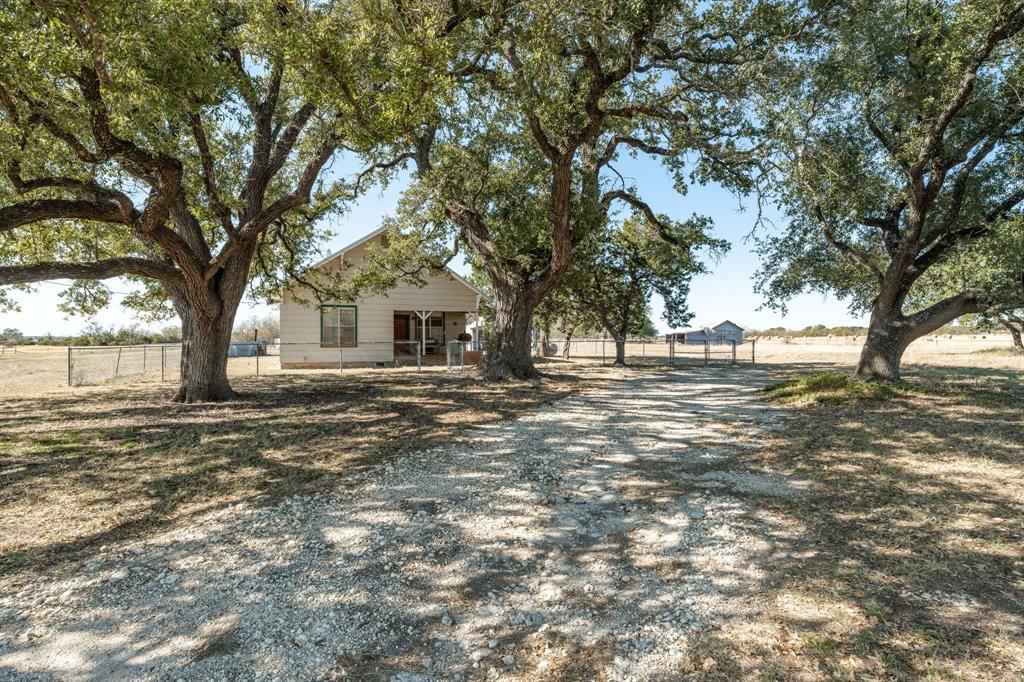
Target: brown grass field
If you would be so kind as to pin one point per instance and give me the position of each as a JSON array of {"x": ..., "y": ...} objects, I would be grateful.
[{"x": 908, "y": 563}]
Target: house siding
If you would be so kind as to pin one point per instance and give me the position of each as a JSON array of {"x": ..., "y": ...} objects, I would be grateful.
[{"x": 300, "y": 324}]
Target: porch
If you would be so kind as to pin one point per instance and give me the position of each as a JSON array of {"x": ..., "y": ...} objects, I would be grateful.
[{"x": 427, "y": 332}]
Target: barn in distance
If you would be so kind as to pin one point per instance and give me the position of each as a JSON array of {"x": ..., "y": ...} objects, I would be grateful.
[{"x": 723, "y": 332}]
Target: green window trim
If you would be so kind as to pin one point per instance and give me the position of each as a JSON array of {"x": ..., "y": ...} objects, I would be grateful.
[{"x": 355, "y": 326}]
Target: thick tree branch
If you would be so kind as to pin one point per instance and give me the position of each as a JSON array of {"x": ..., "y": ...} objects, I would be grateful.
[
  {"x": 287, "y": 139},
  {"x": 663, "y": 230},
  {"x": 636, "y": 143},
  {"x": 103, "y": 269},
  {"x": 209, "y": 175},
  {"x": 845, "y": 248},
  {"x": 37, "y": 210},
  {"x": 949, "y": 240}
]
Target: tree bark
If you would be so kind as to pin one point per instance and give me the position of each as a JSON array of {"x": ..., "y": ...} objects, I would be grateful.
[
  {"x": 545, "y": 341},
  {"x": 883, "y": 350},
  {"x": 508, "y": 340},
  {"x": 620, "y": 350},
  {"x": 207, "y": 315},
  {"x": 204, "y": 358},
  {"x": 1016, "y": 335},
  {"x": 890, "y": 332}
]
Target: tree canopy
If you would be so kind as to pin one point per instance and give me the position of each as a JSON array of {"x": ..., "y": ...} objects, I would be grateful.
[
  {"x": 900, "y": 150},
  {"x": 171, "y": 143},
  {"x": 518, "y": 162}
]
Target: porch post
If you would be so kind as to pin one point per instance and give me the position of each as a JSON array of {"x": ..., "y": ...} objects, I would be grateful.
[{"x": 424, "y": 315}]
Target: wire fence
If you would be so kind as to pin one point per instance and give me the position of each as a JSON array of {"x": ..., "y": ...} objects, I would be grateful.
[
  {"x": 100, "y": 364},
  {"x": 90, "y": 365},
  {"x": 656, "y": 350}
]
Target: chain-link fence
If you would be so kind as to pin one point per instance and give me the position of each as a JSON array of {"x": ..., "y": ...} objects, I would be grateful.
[
  {"x": 100, "y": 364},
  {"x": 105, "y": 364},
  {"x": 162, "y": 362}
]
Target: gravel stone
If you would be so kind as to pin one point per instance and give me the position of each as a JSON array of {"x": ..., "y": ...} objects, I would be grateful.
[{"x": 623, "y": 517}]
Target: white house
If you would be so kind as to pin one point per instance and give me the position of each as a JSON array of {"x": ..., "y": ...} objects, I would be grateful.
[{"x": 374, "y": 329}]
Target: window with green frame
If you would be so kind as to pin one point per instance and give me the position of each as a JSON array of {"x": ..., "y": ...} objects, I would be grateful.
[{"x": 338, "y": 325}]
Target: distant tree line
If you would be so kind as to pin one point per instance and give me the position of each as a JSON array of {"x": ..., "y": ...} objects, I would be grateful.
[
  {"x": 96, "y": 334},
  {"x": 820, "y": 330},
  {"x": 265, "y": 328}
]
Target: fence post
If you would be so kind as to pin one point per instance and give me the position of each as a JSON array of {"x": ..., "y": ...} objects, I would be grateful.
[
  {"x": 419, "y": 365},
  {"x": 734, "y": 352},
  {"x": 672, "y": 351},
  {"x": 341, "y": 357},
  {"x": 643, "y": 347},
  {"x": 69, "y": 365},
  {"x": 753, "y": 344},
  {"x": 163, "y": 361},
  {"x": 603, "y": 359},
  {"x": 117, "y": 364},
  {"x": 707, "y": 352},
  {"x": 144, "y": 358}
]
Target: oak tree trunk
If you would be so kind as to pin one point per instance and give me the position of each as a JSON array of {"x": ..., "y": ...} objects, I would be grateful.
[
  {"x": 207, "y": 319},
  {"x": 620, "y": 350},
  {"x": 890, "y": 332},
  {"x": 204, "y": 358},
  {"x": 508, "y": 340},
  {"x": 545, "y": 342},
  {"x": 883, "y": 351},
  {"x": 1015, "y": 334}
]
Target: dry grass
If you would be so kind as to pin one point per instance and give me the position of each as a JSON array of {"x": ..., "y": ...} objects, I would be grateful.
[
  {"x": 910, "y": 560},
  {"x": 957, "y": 355},
  {"x": 84, "y": 467}
]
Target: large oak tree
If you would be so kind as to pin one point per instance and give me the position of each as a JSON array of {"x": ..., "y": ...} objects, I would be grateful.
[
  {"x": 170, "y": 143},
  {"x": 904, "y": 150},
  {"x": 540, "y": 103}
]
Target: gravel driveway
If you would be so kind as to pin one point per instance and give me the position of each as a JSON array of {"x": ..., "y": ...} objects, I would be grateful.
[{"x": 594, "y": 538}]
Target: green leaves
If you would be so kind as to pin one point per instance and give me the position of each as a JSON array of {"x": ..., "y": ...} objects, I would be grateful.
[
  {"x": 899, "y": 147},
  {"x": 618, "y": 269}
]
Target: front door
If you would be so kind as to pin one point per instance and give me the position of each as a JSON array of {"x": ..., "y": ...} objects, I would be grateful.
[{"x": 401, "y": 328}]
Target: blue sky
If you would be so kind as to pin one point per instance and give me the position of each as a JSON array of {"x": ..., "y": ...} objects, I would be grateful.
[{"x": 727, "y": 292}]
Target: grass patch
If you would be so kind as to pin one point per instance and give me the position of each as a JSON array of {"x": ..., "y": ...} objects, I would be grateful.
[{"x": 832, "y": 388}]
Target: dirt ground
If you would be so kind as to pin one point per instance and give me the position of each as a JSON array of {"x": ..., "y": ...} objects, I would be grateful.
[
  {"x": 84, "y": 466},
  {"x": 904, "y": 560},
  {"x": 595, "y": 538}
]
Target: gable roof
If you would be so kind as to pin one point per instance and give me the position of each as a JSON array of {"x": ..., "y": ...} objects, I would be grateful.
[
  {"x": 376, "y": 233},
  {"x": 349, "y": 247},
  {"x": 722, "y": 324}
]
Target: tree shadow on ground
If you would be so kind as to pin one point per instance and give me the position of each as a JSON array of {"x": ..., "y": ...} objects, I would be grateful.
[
  {"x": 80, "y": 470},
  {"x": 910, "y": 564},
  {"x": 536, "y": 535}
]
